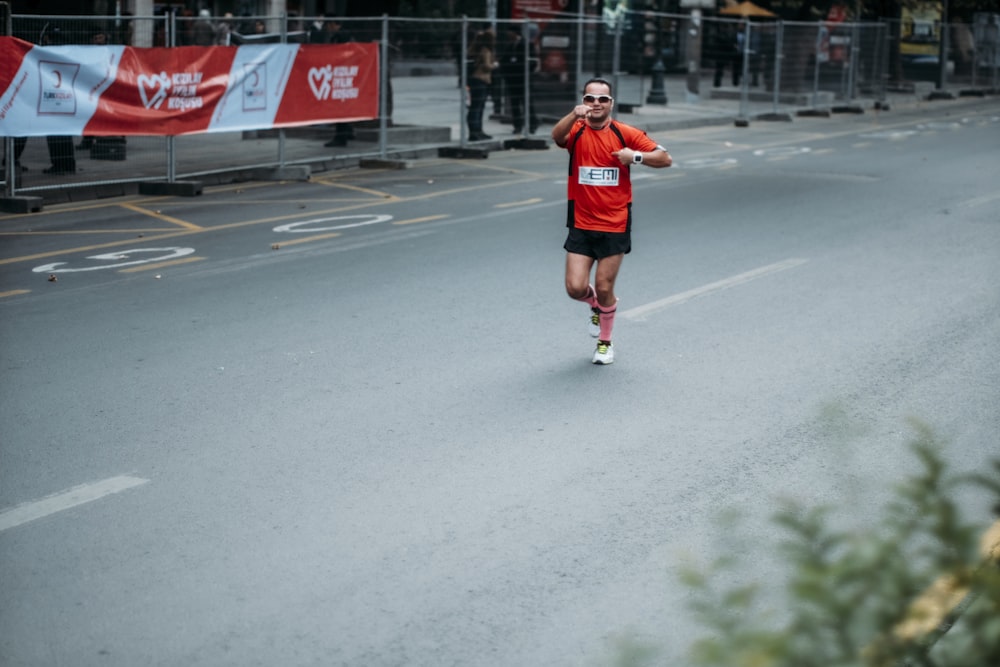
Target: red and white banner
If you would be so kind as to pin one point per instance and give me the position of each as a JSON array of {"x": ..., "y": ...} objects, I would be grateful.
[{"x": 121, "y": 90}]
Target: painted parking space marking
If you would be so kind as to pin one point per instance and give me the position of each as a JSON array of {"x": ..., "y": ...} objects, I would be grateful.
[
  {"x": 118, "y": 260},
  {"x": 160, "y": 216},
  {"x": 381, "y": 194},
  {"x": 74, "y": 497},
  {"x": 641, "y": 312}
]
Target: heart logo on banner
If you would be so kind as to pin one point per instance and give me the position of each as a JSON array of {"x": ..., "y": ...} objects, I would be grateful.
[
  {"x": 158, "y": 85},
  {"x": 319, "y": 81}
]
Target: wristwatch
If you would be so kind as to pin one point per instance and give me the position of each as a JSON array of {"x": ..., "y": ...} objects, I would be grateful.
[{"x": 637, "y": 158}]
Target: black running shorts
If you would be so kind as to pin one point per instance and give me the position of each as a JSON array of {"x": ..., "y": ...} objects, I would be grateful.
[{"x": 597, "y": 244}]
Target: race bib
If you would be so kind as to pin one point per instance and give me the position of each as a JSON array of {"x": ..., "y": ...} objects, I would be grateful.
[{"x": 598, "y": 176}]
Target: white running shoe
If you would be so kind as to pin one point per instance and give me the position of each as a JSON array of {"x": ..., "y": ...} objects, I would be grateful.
[
  {"x": 595, "y": 323},
  {"x": 604, "y": 354}
]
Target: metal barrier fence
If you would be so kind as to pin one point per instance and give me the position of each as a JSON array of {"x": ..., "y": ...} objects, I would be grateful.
[{"x": 542, "y": 65}]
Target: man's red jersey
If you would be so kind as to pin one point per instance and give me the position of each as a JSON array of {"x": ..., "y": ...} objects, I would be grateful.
[{"x": 600, "y": 189}]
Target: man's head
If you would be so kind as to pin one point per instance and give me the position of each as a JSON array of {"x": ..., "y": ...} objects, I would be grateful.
[{"x": 597, "y": 96}]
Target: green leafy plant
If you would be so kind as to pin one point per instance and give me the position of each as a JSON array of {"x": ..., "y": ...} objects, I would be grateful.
[{"x": 919, "y": 589}]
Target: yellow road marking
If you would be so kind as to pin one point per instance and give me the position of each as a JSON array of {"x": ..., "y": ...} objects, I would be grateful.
[
  {"x": 307, "y": 239},
  {"x": 357, "y": 188},
  {"x": 165, "y": 218},
  {"x": 534, "y": 200},
  {"x": 426, "y": 218},
  {"x": 14, "y": 292},
  {"x": 160, "y": 265},
  {"x": 91, "y": 232},
  {"x": 238, "y": 187}
]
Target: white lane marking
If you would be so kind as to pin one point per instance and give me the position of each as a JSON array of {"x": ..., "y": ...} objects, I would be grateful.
[
  {"x": 781, "y": 151},
  {"x": 940, "y": 126},
  {"x": 892, "y": 135},
  {"x": 979, "y": 201},
  {"x": 708, "y": 163},
  {"x": 167, "y": 254},
  {"x": 641, "y": 312},
  {"x": 78, "y": 495},
  {"x": 306, "y": 226}
]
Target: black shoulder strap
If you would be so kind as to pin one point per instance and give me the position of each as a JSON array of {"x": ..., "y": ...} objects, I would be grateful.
[
  {"x": 572, "y": 146},
  {"x": 618, "y": 133}
]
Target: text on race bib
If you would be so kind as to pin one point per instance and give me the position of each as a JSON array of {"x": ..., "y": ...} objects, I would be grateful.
[{"x": 598, "y": 176}]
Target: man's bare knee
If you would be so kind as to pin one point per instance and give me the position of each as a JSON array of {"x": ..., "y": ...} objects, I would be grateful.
[{"x": 577, "y": 292}]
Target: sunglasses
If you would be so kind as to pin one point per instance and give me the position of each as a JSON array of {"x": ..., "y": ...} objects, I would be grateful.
[{"x": 603, "y": 99}]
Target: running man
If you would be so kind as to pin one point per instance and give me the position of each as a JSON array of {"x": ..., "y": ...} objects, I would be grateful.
[{"x": 599, "y": 215}]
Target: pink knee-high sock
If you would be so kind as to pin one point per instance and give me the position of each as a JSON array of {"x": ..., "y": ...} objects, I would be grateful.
[
  {"x": 591, "y": 298},
  {"x": 607, "y": 317}
]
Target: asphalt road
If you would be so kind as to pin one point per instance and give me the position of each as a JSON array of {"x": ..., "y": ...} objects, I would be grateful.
[{"x": 353, "y": 421}]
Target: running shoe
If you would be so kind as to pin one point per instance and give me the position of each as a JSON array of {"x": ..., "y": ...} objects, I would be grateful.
[
  {"x": 604, "y": 354},
  {"x": 595, "y": 323}
]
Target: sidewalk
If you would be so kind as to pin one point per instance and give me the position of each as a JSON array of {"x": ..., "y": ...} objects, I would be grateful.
[{"x": 428, "y": 114}]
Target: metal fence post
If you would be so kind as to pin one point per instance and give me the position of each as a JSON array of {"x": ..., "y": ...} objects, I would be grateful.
[
  {"x": 281, "y": 130},
  {"x": 881, "y": 70},
  {"x": 819, "y": 43},
  {"x": 383, "y": 93},
  {"x": 463, "y": 91},
  {"x": 779, "y": 57},
  {"x": 616, "y": 60},
  {"x": 526, "y": 38},
  {"x": 171, "y": 30},
  {"x": 742, "y": 120},
  {"x": 993, "y": 84},
  {"x": 10, "y": 164},
  {"x": 852, "y": 70}
]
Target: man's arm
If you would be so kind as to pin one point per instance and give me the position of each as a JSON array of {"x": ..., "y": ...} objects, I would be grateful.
[
  {"x": 656, "y": 158},
  {"x": 560, "y": 131}
]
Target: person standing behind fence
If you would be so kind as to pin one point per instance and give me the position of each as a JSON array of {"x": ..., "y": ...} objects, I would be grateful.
[
  {"x": 482, "y": 64},
  {"x": 723, "y": 48},
  {"x": 224, "y": 31},
  {"x": 317, "y": 30},
  {"x": 599, "y": 210},
  {"x": 512, "y": 66},
  {"x": 334, "y": 33},
  {"x": 203, "y": 32}
]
